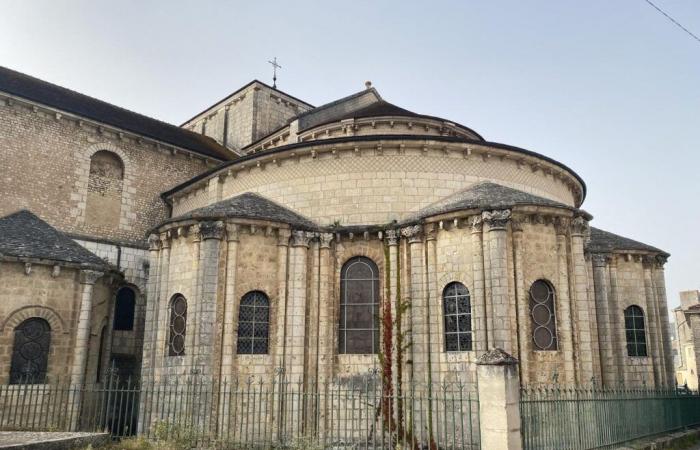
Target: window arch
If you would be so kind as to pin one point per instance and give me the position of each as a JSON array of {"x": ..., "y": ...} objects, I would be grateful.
[
  {"x": 359, "y": 307},
  {"x": 30, "y": 352},
  {"x": 457, "y": 311},
  {"x": 124, "y": 308},
  {"x": 635, "y": 332},
  {"x": 104, "y": 194},
  {"x": 178, "y": 325},
  {"x": 543, "y": 316},
  {"x": 253, "y": 324}
]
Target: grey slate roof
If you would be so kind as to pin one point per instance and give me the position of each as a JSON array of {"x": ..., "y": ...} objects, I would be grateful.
[
  {"x": 486, "y": 194},
  {"x": 34, "y": 89},
  {"x": 248, "y": 206},
  {"x": 22, "y": 234},
  {"x": 603, "y": 241}
]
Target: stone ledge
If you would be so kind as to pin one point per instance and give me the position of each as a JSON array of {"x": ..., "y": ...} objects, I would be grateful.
[
  {"x": 668, "y": 440},
  {"x": 45, "y": 440}
]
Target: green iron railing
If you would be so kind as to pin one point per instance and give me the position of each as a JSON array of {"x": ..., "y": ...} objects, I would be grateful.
[
  {"x": 357, "y": 413},
  {"x": 579, "y": 418}
]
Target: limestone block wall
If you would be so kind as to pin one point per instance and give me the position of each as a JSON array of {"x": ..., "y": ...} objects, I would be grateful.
[{"x": 46, "y": 162}]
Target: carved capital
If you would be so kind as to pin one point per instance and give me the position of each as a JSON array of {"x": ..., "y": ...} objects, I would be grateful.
[
  {"x": 561, "y": 225},
  {"x": 600, "y": 259},
  {"x": 232, "y": 232},
  {"x": 90, "y": 276},
  {"x": 283, "y": 236},
  {"x": 516, "y": 223},
  {"x": 579, "y": 226},
  {"x": 496, "y": 219},
  {"x": 326, "y": 239},
  {"x": 661, "y": 261},
  {"x": 413, "y": 233},
  {"x": 301, "y": 238},
  {"x": 391, "y": 237},
  {"x": 476, "y": 223},
  {"x": 430, "y": 232},
  {"x": 211, "y": 230},
  {"x": 165, "y": 239},
  {"x": 153, "y": 243}
]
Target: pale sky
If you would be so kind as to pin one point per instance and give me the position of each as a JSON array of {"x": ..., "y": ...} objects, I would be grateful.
[{"x": 608, "y": 87}]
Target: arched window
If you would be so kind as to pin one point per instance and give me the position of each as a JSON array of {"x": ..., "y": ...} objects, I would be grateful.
[
  {"x": 178, "y": 325},
  {"x": 457, "y": 309},
  {"x": 253, "y": 323},
  {"x": 124, "y": 309},
  {"x": 30, "y": 352},
  {"x": 359, "y": 307},
  {"x": 634, "y": 331},
  {"x": 544, "y": 322},
  {"x": 104, "y": 194}
]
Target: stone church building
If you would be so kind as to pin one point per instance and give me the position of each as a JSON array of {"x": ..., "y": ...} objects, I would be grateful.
[{"x": 265, "y": 235}]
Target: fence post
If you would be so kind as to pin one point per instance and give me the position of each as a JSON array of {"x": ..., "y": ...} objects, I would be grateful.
[{"x": 499, "y": 401}]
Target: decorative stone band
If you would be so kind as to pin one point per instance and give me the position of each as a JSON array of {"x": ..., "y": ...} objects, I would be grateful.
[
  {"x": 579, "y": 226},
  {"x": 391, "y": 237},
  {"x": 211, "y": 230},
  {"x": 496, "y": 357},
  {"x": 413, "y": 233},
  {"x": 600, "y": 259},
  {"x": 496, "y": 219},
  {"x": 90, "y": 276},
  {"x": 326, "y": 239}
]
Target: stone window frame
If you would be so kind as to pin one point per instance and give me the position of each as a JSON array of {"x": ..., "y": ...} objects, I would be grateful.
[
  {"x": 378, "y": 292},
  {"x": 172, "y": 315},
  {"x": 639, "y": 348},
  {"x": 83, "y": 158},
  {"x": 551, "y": 325},
  {"x": 250, "y": 295},
  {"x": 457, "y": 315},
  {"x": 34, "y": 378}
]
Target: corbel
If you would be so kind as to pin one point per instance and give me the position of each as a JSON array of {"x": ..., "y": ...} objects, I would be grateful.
[
  {"x": 56, "y": 271},
  {"x": 27, "y": 268}
]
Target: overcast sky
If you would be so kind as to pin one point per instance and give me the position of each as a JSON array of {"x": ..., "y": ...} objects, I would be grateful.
[{"x": 609, "y": 88}]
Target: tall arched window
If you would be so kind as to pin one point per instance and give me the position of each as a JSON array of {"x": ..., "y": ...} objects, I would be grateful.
[
  {"x": 634, "y": 331},
  {"x": 104, "y": 192},
  {"x": 178, "y": 325},
  {"x": 253, "y": 323},
  {"x": 30, "y": 352},
  {"x": 457, "y": 310},
  {"x": 359, "y": 307},
  {"x": 544, "y": 322},
  {"x": 124, "y": 308}
]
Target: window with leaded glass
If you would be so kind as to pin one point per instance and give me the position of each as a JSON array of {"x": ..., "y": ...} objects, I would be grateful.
[
  {"x": 254, "y": 324},
  {"x": 634, "y": 331},
  {"x": 359, "y": 307},
  {"x": 124, "y": 308},
  {"x": 457, "y": 311},
  {"x": 542, "y": 314},
  {"x": 178, "y": 325},
  {"x": 30, "y": 352}
]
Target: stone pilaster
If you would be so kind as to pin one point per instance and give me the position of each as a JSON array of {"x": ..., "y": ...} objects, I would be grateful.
[
  {"x": 82, "y": 341},
  {"x": 162, "y": 304},
  {"x": 433, "y": 304},
  {"x": 522, "y": 301},
  {"x": 583, "y": 322},
  {"x": 150, "y": 329},
  {"x": 327, "y": 310},
  {"x": 617, "y": 323},
  {"x": 654, "y": 344},
  {"x": 483, "y": 333},
  {"x": 601, "y": 285},
  {"x": 228, "y": 347},
  {"x": 496, "y": 222},
  {"x": 279, "y": 346},
  {"x": 659, "y": 282},
  {"x": 563, "y": 307},
  {"x": 313, "y": 315},
  {"x": 419, "y": 322},
  {"x": 296, "y": 307}
]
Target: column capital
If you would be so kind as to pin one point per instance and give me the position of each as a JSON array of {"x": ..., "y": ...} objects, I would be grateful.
[
  {"x": 283, "y": 235},
  {"x": 496, "y": 219},
  {"x": 496, "y": 357},
  {"x": 153, "y": 243},
  {"x": 477, "y": 224},
  {"x": 325, "y": 239},
  {"x": 413, "y": 233},
  {"x": 90, "y": 276},
  {"x": 430, "y": 231},
  {"x": 301, "y": 238},
  {"x": 516, "y": 223},
  {"x": 165, "y": 239},
  {"x": 600, "y": 259},
  {"x": 211, "y": 230},
  {"x": 561, "y": 225},
  {"x": 391, "y": 237},
  {"x": 661, "y": 261},
  {"x": 579, "y": 226},
  {"x": 232, "y": 232}
]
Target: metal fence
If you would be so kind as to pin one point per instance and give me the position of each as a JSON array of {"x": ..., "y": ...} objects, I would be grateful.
[
  {"x": 556, "y": 418},
  {"x": 355, "y": 413}
]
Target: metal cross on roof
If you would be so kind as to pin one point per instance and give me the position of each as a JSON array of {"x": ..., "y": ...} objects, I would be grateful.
[{"x": 275, "y": 66}]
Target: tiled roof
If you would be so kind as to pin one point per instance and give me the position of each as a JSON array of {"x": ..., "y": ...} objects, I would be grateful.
[
  {"x": 486, "y": 194},
  {"x": 604, "y": 241},
  {"x": 34, "y": 89},
  {"x": 248, "y": 206},
  {"x": 22, "y": 234}
]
